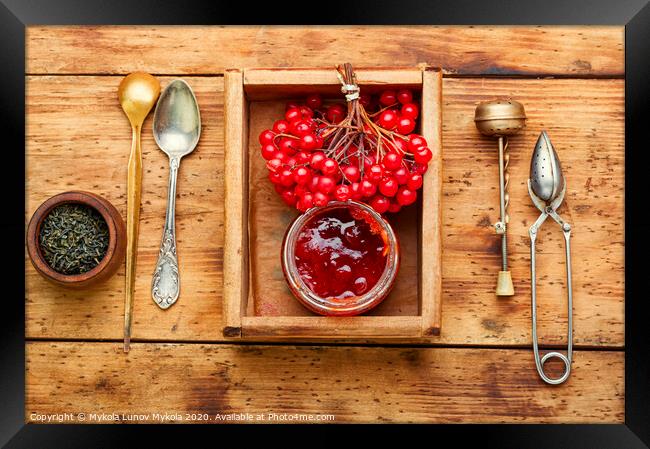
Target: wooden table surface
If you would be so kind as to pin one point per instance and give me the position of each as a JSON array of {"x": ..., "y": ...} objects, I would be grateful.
[{"x": 480, "y": 369}]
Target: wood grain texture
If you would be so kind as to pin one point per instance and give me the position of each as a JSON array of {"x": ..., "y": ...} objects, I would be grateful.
[
  {"x": 585, "y": 121},
  {"x": 269, "y": 217},
  {"x": 481, "y": 50},
  {"x": 235, "y": 285},
  {"x": 430, "y": 243},
  {"x": 425, "y": 385},
  {"x": 78, "y": 138},
  {"x": 310, "y": 328}
]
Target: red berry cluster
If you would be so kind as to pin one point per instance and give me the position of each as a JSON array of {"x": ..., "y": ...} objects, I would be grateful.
[{"x": 319, "y": 152}]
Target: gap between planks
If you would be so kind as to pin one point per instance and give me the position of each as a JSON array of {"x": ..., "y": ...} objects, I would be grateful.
[
  {"x": 326, "y": 344},
  {"x": 444, "y": 75}
]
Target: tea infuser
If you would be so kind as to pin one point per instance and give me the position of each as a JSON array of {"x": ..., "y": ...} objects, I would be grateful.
[
  {"x": 547, "y": 187},
  {"x": 501, "y": 119}
]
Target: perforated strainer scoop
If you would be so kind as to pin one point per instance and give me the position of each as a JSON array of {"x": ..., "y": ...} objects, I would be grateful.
[{"x": 547, "y": 187}]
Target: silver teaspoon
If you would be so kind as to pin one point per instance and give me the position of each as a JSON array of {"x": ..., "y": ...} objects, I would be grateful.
[{"x": 176, "y": 128}]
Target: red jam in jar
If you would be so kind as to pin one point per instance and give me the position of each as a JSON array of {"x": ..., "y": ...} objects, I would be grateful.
[
  {"x": 339, "y": 255},
  {"x": 340, "y": 259}
]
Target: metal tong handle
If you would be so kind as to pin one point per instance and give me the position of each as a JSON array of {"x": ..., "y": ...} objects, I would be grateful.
[{"x": 539, "y": 363}]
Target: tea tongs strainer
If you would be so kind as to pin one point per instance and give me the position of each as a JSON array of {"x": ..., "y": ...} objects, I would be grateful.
[{"x": 547, "y": 187}]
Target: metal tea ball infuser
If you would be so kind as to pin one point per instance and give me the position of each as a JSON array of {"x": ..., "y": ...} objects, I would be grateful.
[
  {"x": 547, "y": 187},
  {"x": 501, "y": 119}
]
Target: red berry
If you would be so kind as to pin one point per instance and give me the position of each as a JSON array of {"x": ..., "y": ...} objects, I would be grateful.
[
  {"x": 404, "y": 96},
  {"x": 306, "y": 112},
  {"x": 274, "y": 176},
  {"x": 420, "y": 168},
  {"x": 351, "y": 173},
  {"x": 388, "y": 187},
  {"x": 335, "y": 113},
  {"x": 286, "y": 177},
  {"x": 410, "y": 110},
  {"x": 380, "y": 203},
  {"x": 274, "y": 164},
  {"x": 313, "y": 185},
  {"x": 301, "y": 175},
  {"x": 318, "y": 142},
  {"x": 314, "y": 101},
  {"x": 388, "y": 97},
  {"x": 388, "y": 119},
  {"x": 288, "y": 146},
  {"x": 416, "y": 141},
  {"x": 392, "y": 161},
  {"x": 368, "y": 162},
  {"x": 293, "y": 114},
  {"x": 342, "y": 193},
  {"x": 401, "y": 145},
  {"x": 291, "y": 105},
  {"x": 414, "y": 181},
  {"x": 405, "y": 125},
  {"x": 367, "y": 188},
  {"x": 301, "y": 127},
  {"x": 375, "y": 174},
  {"x": 279, "y": 155},
  {"x": 406, "y": 196},
  {"x": 267, "y": 137},
  {"x": 268, "y": 151},
  {"x": 308, "y": 142},
  {"x": 329, "y": 167},
  {"x": 302, "y": 157},
  {"x": 317, "y": 159},
  {"x": 394, "y": 207},
  {"x": 289, "y": 197},
  {"x": 355, "y": 191},
  {"x": 326, "y": 184},
  {"x": 305, "y": 202},
  {"x": 320, "y": 199},
  {"x": 401, "y": 175},
  {"x": 280, "y": 127},
  {"x": 423, "y": 155},
  {"x": 365, "y": 100}
]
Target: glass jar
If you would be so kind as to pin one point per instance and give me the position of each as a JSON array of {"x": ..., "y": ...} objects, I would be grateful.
[{"x": 349, "y": 303}]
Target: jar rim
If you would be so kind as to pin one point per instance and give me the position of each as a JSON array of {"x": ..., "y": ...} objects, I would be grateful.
[{"x": 357, "y": 304}]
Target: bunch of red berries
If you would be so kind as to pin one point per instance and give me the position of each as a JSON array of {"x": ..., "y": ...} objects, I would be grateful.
[{"x": 365, "y": 152}]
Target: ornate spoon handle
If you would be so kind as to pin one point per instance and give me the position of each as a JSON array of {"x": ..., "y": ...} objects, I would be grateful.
[{"x": 165, "y": 285}]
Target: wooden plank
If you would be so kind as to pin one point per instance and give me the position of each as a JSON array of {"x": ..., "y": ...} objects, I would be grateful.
[
  {"x": 314, "y": 327},
  {"x": 491, "y": 50},
  {"x": 235, "y": 274},
  {"x": 441, "y": 385},
  {"x": 270, "y": 217},
  {"x": 77, "y": 137},
  {"x": 327, "y": 76},
  {"x": 585, "y": 121},
  {"x": 431, "y": 242}
]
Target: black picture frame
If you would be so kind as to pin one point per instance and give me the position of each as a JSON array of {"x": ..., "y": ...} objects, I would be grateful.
[{"x": 15, "y": 15}]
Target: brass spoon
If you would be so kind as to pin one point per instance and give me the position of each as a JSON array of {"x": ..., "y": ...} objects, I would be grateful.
[{"x": 137, "y": 94}]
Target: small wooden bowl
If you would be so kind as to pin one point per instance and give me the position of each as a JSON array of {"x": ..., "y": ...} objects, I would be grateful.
[{"x": 116, "y": 243}]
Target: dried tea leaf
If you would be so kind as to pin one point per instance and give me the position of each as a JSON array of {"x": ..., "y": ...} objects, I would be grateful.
[{"x": 73, "y": 238}]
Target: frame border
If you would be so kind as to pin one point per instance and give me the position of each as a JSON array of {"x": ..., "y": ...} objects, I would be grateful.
[{"x": 15, "y": 15}]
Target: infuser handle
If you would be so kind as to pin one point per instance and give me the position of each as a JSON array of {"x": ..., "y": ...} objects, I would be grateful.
[{"x": 539, "y": 362}]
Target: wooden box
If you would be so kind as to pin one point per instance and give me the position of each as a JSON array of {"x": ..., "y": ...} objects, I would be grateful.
[{"x": 257, "y": 303}]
